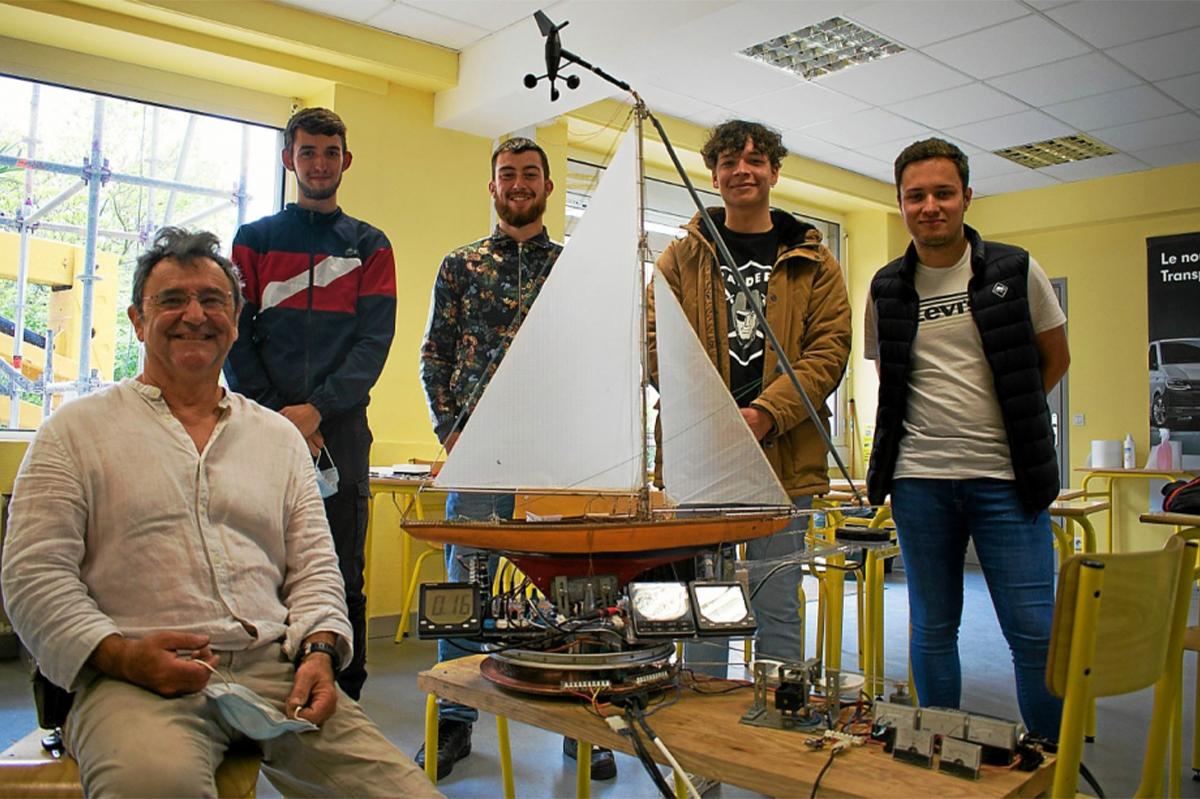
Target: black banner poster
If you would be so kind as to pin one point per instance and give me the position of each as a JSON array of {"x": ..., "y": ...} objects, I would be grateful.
[{"x": 1173, "y": 264}]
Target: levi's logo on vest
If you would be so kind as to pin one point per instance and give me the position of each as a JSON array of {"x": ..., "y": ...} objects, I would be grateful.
[
  {"x": 1000, "y": 290},
  {"x": 942, "y": 307}
]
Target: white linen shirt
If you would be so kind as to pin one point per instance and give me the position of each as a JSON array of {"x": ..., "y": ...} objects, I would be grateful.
[{"x": 118, "y": 525}]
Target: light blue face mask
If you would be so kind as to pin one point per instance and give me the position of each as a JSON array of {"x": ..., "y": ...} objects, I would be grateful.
[
  {"x": 249, "y": 713},
  {"x": 327, "y": 479}
]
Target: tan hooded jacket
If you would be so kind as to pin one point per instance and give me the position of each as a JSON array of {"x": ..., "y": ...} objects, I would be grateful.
[{"x": 808, "y": 309}]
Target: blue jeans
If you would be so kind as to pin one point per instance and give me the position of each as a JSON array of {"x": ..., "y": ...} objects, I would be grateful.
[
  {"x": 934, "y": 519},
  {"x": 776, "y": 606},
  {"x": 478, "y": 507}
]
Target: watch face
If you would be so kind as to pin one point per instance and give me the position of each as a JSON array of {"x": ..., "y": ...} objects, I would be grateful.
[
  {"x": 721, "y": 604},
  {"x": 659, "y": 601}
]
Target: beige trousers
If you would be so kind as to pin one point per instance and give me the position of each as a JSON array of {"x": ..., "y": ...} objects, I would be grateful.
[{"x": 131, "y": 742}]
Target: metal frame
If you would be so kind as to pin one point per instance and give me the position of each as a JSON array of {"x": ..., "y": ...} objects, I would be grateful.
[{"x": 93, "y": 174}]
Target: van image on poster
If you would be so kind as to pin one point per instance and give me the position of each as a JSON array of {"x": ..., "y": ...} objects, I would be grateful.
[{"x": 1175, "y": 383}]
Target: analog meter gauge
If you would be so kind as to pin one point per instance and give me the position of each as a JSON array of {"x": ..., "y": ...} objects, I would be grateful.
[
  {"x": 661, "y": 610},
  {"x": 449, "y": 609},
  {"x": 722, "y": 608}
]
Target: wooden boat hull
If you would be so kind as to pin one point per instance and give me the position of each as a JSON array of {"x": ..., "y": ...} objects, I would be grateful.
[{"x": 622, "y": 547}]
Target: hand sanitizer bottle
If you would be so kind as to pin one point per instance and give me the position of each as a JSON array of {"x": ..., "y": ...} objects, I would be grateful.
[{"x": 1127, "y": 455}]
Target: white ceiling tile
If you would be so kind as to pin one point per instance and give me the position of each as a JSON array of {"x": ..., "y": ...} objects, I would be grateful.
[
  {"x": 488, "y": 14},
  {"x": 962, "y": 144},
  {"x": 1182, "y": 153},
  {"x": 1162, "y": 57},
  {"x": 816, "y": 149},
  {"x": 861, "y": 164},
  {"x": 1115, "y": 108},
  {"x": 1043, "y": 5},
  {"x": 1114, "y": 164},
  {"x": 1151, "y": 132},
  {"x": 1017, "y": 181},
  {"x": 1066, "y": 80},
  {"x": 989, "y": 165},
  {"x": 734, "y": 26},
  {"x": 867, "y": 127},
  {"x": 919, "y": 24},
  {"x": 719, "y": 80},
  {"x": 353, "y": 10},
  {"x": 886, "y": 151},
  {"x": 418, "y": 24},
  {"x": 1186, "y": 89},
  {"x": 800, "y": 105},
  {"x": 711, "y": 117},
  {"x": 665, "y": 101},
  {"x": 958, "y": 106},
  {"x": 1115, "y": 22},
  {"x": 1009, "y": 47},
  {"x": 894, "y": 78},
  {"x": 1012, "y": 130}
]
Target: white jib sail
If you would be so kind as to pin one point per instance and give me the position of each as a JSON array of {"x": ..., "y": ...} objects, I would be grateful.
[
  {"x": 563, "y": 410},
  {"x": 709, "y": 453}
]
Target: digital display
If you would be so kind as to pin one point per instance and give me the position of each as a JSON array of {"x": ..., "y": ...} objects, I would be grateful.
[
  {"x": 721, "y": 604},
  {"x": 449, "y": 605}
]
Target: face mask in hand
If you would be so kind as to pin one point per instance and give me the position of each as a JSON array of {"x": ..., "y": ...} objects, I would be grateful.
[
  {"x": 327, "y": 479},
  {"x": 250, "y": 714}
]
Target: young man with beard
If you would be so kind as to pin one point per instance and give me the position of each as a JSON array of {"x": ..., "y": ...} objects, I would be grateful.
[
  {"x": 968, "y": 339},
  {"x": 799, "y": 284},
  {"x": 482, "y": 293},
  {"x": 314, "y": 334}
]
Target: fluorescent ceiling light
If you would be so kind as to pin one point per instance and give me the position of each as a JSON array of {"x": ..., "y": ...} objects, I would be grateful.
[
  {"x": 823, "y": 48},
  {"x": 1062, "y": 150}
]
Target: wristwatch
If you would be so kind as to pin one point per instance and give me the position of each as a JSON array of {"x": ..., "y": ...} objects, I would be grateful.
[{"x": 322, "y": 647}]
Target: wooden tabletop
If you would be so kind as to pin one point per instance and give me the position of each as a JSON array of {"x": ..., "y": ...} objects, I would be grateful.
[
  {"x": 704, "y": 735},
  {"x": 1070, "y": 493},
  {"x": 1180, "y": 519},
  {"x": 1077, "y": 507}
]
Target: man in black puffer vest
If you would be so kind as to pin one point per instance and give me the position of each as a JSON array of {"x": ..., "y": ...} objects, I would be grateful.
[{"x": 968, "y": 339}]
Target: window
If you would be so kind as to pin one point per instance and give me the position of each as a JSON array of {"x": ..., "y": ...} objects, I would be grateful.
[{"x": 85, "y": 180}]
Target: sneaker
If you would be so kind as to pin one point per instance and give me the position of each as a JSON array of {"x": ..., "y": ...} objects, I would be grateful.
[
  {"x": 604, "y": 765},
  {"x": 702, "y": 784},
  {"x": 454, "y": 743}
]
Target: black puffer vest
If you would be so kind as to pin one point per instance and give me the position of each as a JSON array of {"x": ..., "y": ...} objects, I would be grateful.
[{"x": 998, "y": 293}]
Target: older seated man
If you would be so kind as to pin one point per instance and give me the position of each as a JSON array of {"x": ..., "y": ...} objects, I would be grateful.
[{"x": 168, "y": 560}]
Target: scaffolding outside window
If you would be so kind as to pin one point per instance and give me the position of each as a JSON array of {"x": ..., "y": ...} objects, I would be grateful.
[
  {"x": 668, "y": 207},
  {"x": 85, "y": 181}
]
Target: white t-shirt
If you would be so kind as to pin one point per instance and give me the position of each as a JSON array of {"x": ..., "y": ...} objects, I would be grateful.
[{"x": 952, "y": 425}]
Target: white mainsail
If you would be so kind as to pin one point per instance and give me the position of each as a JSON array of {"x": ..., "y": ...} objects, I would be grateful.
[
  {"x": 709, "y": 454},
  {"x": 563, "y": 411}
]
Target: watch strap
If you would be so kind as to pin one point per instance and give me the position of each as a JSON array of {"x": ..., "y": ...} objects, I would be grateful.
[{"x": 320, "y": 646}]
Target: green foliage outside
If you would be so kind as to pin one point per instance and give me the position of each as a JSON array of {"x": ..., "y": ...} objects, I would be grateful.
[{"x": 65, "y": 126}]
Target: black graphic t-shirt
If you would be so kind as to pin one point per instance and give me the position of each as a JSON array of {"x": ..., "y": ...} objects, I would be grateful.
[{"x": 755, "y": 255}]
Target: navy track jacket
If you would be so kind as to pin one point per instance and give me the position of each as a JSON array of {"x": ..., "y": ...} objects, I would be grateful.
[{"x": 320, "y": 310}]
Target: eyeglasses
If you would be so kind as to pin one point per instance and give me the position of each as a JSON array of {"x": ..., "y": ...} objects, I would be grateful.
[{"x": 211, "y": 300}]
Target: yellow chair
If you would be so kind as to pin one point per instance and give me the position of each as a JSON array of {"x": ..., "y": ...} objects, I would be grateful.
[
  {"x": 28, "y": 770},
  {"x": 1118, "y": 627}
]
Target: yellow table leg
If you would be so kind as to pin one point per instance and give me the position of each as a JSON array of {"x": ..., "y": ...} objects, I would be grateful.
[
  {"x": 876, "y": 610},
  {"x": 431, "y": 738},
  {"x": 681, "y": 790},
  {"x": 836, "y": 590},
  {"x": 506, "y": 772},
  {"x": 583, "y": 770}
]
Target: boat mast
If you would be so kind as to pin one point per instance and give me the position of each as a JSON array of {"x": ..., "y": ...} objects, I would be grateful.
[{"x": 639, "y": 115}]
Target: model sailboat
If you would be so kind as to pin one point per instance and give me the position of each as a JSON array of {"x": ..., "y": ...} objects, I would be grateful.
[{"x": 565, "y": 413}]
